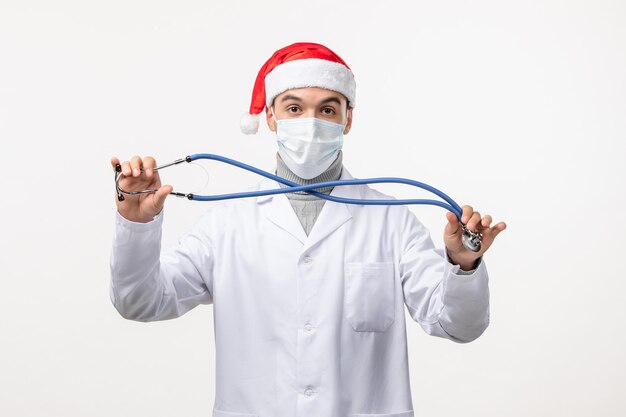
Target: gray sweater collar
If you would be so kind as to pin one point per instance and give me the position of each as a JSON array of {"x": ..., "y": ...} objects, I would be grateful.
[{"x": 332, "y": 173}]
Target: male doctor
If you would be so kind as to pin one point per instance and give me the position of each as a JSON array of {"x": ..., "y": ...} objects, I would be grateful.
[{"x": 308, "y": 294}]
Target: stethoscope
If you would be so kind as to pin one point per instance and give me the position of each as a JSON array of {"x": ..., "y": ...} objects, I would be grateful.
[{"x": 471, "y": 240}]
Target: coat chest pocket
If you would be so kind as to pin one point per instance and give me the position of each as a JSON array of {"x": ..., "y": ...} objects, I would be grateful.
[{"x": 369, "y": 295}]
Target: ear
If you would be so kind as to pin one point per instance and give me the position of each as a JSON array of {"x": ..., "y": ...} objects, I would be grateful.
[
  {"x": 348, "y": 121},
  {"x": 269, "y": 119}
]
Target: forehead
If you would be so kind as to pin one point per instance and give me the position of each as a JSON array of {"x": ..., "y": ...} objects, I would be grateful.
[{"x": 310, "y": 94}]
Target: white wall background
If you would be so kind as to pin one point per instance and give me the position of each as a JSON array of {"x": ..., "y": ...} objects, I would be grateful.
[{"x": 515, "y": 107}]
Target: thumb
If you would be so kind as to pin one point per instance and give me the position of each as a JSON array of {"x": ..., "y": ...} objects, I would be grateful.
[
  {"x": 453, "y": 224},
  {"x": 161, "y": 195}
]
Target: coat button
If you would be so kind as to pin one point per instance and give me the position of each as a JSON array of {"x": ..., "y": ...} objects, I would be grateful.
[
  {"x": 308, "y": 259},
  {"x": 309, "y": 392},
  {"x": 309, "y": 327}
]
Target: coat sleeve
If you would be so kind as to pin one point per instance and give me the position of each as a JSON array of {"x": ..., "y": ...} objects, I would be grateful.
[
  {"x": 147, "y": 285},
  {"x": 445, "y": 301}
]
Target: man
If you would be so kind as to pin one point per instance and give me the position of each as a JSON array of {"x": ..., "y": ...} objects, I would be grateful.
[{"x": 308, "y": 294}]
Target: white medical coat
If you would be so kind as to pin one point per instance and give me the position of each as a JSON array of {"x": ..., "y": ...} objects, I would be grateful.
[{"x": 304, "y": 326}]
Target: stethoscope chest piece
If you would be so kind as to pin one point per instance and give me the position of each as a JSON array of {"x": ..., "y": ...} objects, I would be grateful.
[{"x": 471, "y": 240}]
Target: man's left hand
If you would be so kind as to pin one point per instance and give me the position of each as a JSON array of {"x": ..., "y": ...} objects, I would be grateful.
[{"x": 458, "y": 253}]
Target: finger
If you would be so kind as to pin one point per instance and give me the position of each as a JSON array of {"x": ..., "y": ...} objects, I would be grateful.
[
  {"x": 126, "y": 169},
  {"x": 486, "y": 221},
  {"x": 453, "y": 224},
  {"x": 467, "y": 214},
  {"x": 149, "y": 163},
  {"x": 473, "y": 222},
  {"x": 161, "y": 195},
  {"x": 135, "y": 165},
  {"x": 495, "y": 230}
]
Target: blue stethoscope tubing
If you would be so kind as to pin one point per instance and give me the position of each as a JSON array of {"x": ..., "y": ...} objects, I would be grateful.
[
  {"x": 449, "y": 203},
  {"x": 471, "y": 240}
]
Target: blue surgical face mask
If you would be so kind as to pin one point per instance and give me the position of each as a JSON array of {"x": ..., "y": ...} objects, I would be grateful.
[{"x": 308, "y": 146}]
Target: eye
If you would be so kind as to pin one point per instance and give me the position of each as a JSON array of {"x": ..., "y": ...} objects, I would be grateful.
[
  {"x": 328, "y": 111},
  {"x": 293, "y": 109}
]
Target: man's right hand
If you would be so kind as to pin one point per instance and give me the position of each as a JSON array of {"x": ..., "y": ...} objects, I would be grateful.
[{"x": 142, "y": 207}]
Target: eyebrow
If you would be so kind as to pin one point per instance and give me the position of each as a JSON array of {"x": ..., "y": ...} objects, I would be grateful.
[
  {"x": 327, "y": 100},
  {"x": 331, "y": 99},
  {"x": 290, "y": 97}
]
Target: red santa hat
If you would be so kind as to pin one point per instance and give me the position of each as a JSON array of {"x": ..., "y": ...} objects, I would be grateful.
[{"x": 298, "y": 65}]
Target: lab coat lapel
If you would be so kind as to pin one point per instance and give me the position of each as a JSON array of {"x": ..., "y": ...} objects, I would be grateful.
[
  {"x": 333, "y": 214},
  {"x": 280, "y": 212}
]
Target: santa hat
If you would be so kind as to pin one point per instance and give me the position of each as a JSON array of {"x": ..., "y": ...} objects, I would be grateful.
[{"x": 295, "y": 66}]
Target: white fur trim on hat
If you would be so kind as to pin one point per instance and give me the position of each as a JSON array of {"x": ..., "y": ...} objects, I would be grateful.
[
  {"x": 310, "y": 72},
  {"x": 249, "y": 123}
]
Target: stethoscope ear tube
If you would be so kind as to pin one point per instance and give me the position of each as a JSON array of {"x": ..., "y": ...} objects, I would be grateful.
[{"x": 118, "y": 174}]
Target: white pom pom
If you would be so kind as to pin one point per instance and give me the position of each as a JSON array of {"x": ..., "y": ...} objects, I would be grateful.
[{"x": 249, "y": 123}]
